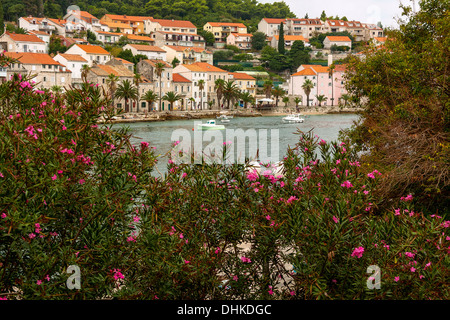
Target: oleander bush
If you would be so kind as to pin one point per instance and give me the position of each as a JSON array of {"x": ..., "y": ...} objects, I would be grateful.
[{"x": 74, "y": 192}]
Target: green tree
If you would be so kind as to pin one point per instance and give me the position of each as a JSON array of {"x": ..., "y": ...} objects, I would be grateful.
[
  {"x": 307, "y": 86},
  {"x": 281, "y": 43},
  {"x": 201, "y": 86},
  {"x": 171, "y": 97},
  {"x": 406, "y": 114},
  {"x": 321, "y": 98},
  {"x": 267, "y": 87},
  {"x": 286, "y": 101},
  {"x": 55, "y": 45},
  {"x": 230, "y": 92},
  {"x": 208, "y": 36},
  {"x": 85, "y": 71},
  {"x": 246, "y": 98},
  {"x": 323, "y": 16},
  {"x": 126, "y": 90},
  {"x": 219, "y": 85},
  {"x": 297, "y": 101},
  {"x": 278, "y": 93},
  {"x": 159, "y": 68},
  {"x": 111, "y": 81},
  {"x": 2, "y": 21},
  {"x": 258, "y": 41},
  {"x": 175, "y": 62},
  {"x": 150, "y": 97}
]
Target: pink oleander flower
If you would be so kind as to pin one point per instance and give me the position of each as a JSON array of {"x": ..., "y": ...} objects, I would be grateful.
[
  {"x": 413, "y": 269},
  {"x": 245, "y": 259},
  {"x": 336, "y": 220},
  {"x": 338, "y": 161},
  {"x": 235, "y": 278},
  {"x": 292, "y": 198},
  {"x": 39, "y": 282},
  {"x": 217, "y": 250},
  {"x": 410, "y": 254},
  {"x": 3, "y": 215},
  {"x": 427, "y": 265},
  {"x": 144, "y": 144},
  {"x": 268, "y": 217},
  {"x": 270, "y": 290},
  {"x": 347, "y": 184},
  {"x": 117, "y": 274},
  {"x": 397, "y": 212},
  {"x": 186, "y": 261},
  {"x": 396, "y": 279},
  {"x": 358, "y": 252},
  {"x": 409, "y": 197},
  {"x": 322, "y": 142}
]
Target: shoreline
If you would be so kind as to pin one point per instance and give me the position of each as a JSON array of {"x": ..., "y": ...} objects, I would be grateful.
[{"x": 208, "y": 114}]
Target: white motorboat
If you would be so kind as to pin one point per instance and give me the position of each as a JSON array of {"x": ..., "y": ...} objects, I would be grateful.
[
  {"x": 210, "y": 125},
  {"x": 223, "y": 118},
  {"x": 296, "y": 118}
]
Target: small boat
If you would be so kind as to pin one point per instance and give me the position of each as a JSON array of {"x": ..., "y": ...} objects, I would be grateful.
[
  {"x": 223, "y": 118},
  {"x": 297, "y": 118},
  {"x": 210, "y": 125}
]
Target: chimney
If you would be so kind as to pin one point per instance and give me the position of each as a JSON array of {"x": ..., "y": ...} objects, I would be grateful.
[{"x": 330, "y": 59}]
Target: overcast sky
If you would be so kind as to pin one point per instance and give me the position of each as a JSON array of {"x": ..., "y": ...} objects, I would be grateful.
[{"x": 368, "y": 11}]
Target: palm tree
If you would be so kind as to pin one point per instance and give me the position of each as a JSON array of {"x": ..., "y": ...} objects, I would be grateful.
[
  {"x": 321, "y": 99},
  {"x": 126, "y": 91},
  {"x": 268, "y": 84},
  {"x": 285, "y": 101},
  {"x": 246, "y": 98},
  {"x": 159, "y": 68},
  {"x": 307, "y": 86},
  {"x": 330, "y": 73},
  {"x": 112, "y": 81},
  {"x": 171, "y": 97},
  {"x": 137, "y": 80},
  {"x": 277, "y": 93},
  {"x": 230, "y": 92},
  {"x": 297, "y": 101},
  {"x": 219, "y": 84},
  {"x": 201, "y": 87},
  {"x": 84, "y": 72},
  {"x": 192, "y": 101},
  {"x": 56, "y": 89},
  {"x": 150, "y": 96},
  {"x": 346, "y": 98}
]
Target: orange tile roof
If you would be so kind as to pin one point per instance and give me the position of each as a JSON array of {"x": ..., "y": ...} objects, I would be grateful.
[
  {"x": 89, "y": 48},
  {"x": 123, "y": 60},
  {"x": 242, "y": 34},
  {"x": 144, "y": 47},
  {"x": 288, "y": 37},
  {"x": 175, "y": 23},
  {"x": 381, "y": 39},
  {"x": 32, "y": 58},
  {"x": 126, "y": 18},
  {"x": 274, "y": 21},
  {"x": 42, "y": 33},
  {"x": 119, "y": 71},
  {"x": 182, "y": 48},
  {"x": 203, "y": 67},
  {"x": 73, "y": 57},
  {"x": 316, "y": 68},
  {"x": 23, "y": 37},
  {"x": 85, "y": 14},
  {"x": 179, "y": 78},
  {"x": 60, "y": 22},
  {"x": 117, "y": 25},
  {"x": 137, "y": 37},
  {"x": 339, "y": 38},
  {"x": 153, "y": 62},
  {"x": 227, "y": 24},
  {"x": 305, "y": 72},
  {"x": 241, "y": 76}
]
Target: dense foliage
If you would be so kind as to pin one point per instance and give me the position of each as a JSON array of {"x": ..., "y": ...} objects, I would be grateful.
[
  {"x": 406, "y": 119},
  {"x": 197, "y": 11},
  {"x": 74, "y": 192}
]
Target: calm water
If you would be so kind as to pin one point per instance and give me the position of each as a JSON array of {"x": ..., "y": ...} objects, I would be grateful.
[{"x": 162, "y": 134}]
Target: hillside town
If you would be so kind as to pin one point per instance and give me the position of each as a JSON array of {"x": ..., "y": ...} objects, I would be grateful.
[{"x": 173, "y": 67}]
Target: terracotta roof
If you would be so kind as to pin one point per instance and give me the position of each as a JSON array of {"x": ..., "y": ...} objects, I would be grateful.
[
  {"x": 347, "y": 24},
  {"x": 137, "y": 37},
  {"x": 85, "y": 14},
  {"x": 60, "y": 22},
  {"x": 110, "y": 33},
  {"x": 24, "y": 37},
  {"x": 179, "y": 33},
  {"x": 117, "y": 25},
  {"x": 176, "y": 77},
  {"x": 143, "y": 47},
  {"x": 305, "y": 72},
  {"x": 183, "y": 48},
  {"x": 381, "y": 39},
  {"x": 153, "y": 62},
  {"x": 317, "y": 68},
  {"x": 339, "y": 38},
  {"x": 307, "y": 21},
  {"x": 32, "y": 58},
  {"x": 175, "y": 23},
  {"x": 126, "y": 18},
  {"x": 73, "y": 57},
  {"x": 241, "y": 76},
  {"x": 123, "y": 60},
  {"x": 42, "y": 33},
  {"x": 89, "y": 48},
  {"x": 227, "y": 24},
  {"x": 274, "y": 21},
  {"x": 340, "y": 68},
  {"x": 203, "y": 67},
  {"x": 242, "y": 34},
  {"x": 288, "y": 37},
  {"x": 120, "y": 71}
]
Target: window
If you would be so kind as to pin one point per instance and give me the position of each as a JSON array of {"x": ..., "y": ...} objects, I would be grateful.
[{"x": 63, "y": 79}]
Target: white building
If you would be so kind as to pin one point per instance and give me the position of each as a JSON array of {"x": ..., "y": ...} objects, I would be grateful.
[
  {"x": 73, "y": 62},
  {"x": 91, "y": 53},
  {"x": 15, "y": 42},
  {"x": 151, "y": 52}
]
